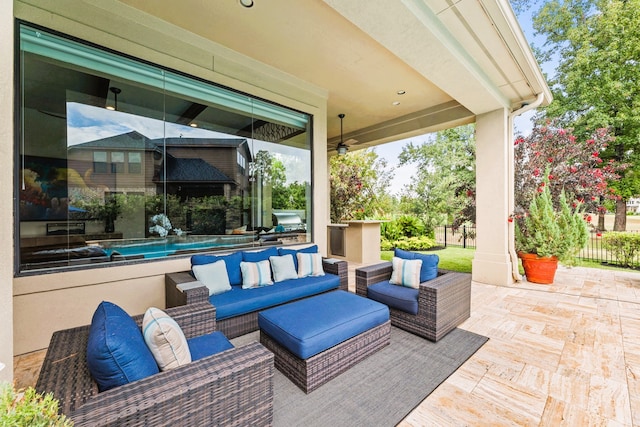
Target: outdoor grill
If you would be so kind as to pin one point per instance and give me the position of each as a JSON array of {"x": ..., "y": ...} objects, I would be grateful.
[{"x": 288, "y": 220}]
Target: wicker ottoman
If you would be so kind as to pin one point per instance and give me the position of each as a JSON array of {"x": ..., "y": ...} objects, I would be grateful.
[{"x": 316, "y": 339}]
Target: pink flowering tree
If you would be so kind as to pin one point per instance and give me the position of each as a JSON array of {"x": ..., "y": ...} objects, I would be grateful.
[{"x": 573, "y": 165}]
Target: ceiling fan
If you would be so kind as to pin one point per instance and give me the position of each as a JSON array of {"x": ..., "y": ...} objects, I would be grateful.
[{"x": 343, "y": 146}]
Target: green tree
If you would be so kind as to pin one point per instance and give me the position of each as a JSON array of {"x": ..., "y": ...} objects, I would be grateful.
[
  {"x": 597, "y": 81},
  {"x": 292, "y": 196},
  {"x": 445, "y": 179},
  {"x": 270, "y": 169},
  {"x": 359, "y": 183}
]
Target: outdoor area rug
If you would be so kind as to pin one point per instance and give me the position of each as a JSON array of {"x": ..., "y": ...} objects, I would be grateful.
[{"x": 382, "y": 389}]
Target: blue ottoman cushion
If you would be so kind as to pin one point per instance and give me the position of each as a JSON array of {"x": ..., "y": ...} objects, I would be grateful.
[
  {"x": 116, "y": 351},
  {"x": 206, "y": 345},
  {"x": 399, "y": 297},
  {"x": 310, "y": 326}
]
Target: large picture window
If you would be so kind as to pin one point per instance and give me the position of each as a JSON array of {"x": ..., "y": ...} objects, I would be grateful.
[{"x": 120, "y": 160}]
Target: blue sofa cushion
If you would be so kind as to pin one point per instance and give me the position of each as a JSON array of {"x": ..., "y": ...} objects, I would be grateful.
[
  {"x": 310, "y": 326},
  {"x": 232, "y": 262},
  {"x": 207, "y": 345},
  {"x": 308, "y": 250},
  {"x": 241, "y": 301},
  {"x": 116, "y": 351},
  {"x": 398, "y": 297},
  {"x": 259, "y": 255},
  {"x": 429, "y": 269}
]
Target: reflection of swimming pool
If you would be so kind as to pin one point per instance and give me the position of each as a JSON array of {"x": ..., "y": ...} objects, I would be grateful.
[{"x": 157, "y": 248}]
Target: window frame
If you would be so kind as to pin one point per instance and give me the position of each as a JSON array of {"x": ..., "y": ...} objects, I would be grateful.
[{"x": 18, "y": 136}]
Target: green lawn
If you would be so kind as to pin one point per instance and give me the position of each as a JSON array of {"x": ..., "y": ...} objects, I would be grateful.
[
  {"x": 459, "y": 259},
  {"x": 451, "y": 258}
]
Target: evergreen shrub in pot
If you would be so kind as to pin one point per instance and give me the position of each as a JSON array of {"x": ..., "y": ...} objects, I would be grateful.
[{"x": 549, "y": 232}]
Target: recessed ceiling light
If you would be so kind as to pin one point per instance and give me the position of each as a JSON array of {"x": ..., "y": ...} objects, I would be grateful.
[
  {"x": 246, "y": 3},
  {"x": 395, "y": 103},
  {"x": 401, "y": 92},
  {"x": 110, "y": 107},
  {"x": 193, "y": 125}
]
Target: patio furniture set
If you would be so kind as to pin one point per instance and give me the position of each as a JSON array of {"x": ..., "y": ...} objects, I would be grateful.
[{"x": 311, "y": 336}]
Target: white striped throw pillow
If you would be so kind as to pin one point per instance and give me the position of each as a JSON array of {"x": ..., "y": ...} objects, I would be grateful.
[
  {"x": 406, "y": 272},
  {"x": 309, "y": 265},
  {"x": 256, "y": 274},
  {"x": 165, "y": 339}
]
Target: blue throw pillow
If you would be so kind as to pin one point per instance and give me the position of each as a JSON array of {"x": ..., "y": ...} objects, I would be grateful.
[
  {"x": 116, "y": 351},
  {"x": 309, "y": 250},
  {"x": 429, "y": 269},
  {"x": 400, "y": 253},
  {"x": 259, "y": 255},
  {"x": 232, "y": 261}
]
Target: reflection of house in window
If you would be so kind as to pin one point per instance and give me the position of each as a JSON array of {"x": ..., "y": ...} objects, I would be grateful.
[
  {"x": 134, "y": 162},
  {"x": 199, "y": 167},
  {"x": 117, "y": 162},
  {"x": 116, "y": 177},
  {"x": 191, "y": 167},
  {"x": 100, "y": 161}
]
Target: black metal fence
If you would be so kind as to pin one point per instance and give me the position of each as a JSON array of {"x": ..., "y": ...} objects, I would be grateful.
[{"x": 465, "y": 237}]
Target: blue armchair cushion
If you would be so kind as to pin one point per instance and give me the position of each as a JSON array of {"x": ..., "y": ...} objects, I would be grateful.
[
  {"x": 399, "y": 297},
  {"x": 232, "y": 262},
  {"x": 208, "y": 344},
  {"x": 313, "y": 249},
  {"x": 116, "y": 351},
  {"x": 429, "y": 269}
]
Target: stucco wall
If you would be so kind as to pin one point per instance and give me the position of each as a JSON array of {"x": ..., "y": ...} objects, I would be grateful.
[
  {"x": 45, "y": 303},
  {"x": 6, "y": 189}
]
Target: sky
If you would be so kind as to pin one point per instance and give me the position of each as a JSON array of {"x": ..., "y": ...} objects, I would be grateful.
[{"x": 522, "y": 124}]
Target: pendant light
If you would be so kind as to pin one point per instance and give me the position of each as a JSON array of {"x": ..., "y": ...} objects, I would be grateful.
[{"x": 342, "y": 147}]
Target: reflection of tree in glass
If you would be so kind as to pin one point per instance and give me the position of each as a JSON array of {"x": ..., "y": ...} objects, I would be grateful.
[
  {"x": 270, "y": 169},
  {"x": 273, "y": 173}
]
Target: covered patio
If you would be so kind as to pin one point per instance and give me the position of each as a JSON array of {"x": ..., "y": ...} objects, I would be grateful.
[
  {"x": 396, "y": 69},
  {"x": 561, "y": 354}
]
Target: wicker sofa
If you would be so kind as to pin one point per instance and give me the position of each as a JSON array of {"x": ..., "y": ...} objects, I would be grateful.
[
  {"x": 234, "y": 387},
  {"x": 181, "y": 288},
  {"x": 443, "y": 302}
]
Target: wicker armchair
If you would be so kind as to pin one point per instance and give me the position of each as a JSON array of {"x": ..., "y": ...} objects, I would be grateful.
[
  {"x": 239, "y": 325},
  {"x": 234, "y": 387},
  {"x": 443, "y": 303}
]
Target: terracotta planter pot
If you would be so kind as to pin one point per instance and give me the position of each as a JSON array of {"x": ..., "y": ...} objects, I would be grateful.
[{"x": 537, "y": 269}]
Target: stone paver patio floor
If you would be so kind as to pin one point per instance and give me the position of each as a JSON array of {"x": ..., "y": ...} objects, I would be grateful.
[{"x": 561, "y": 354}]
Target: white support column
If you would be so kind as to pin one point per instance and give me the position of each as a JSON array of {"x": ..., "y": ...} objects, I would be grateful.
[
  {"x": 494, "y": 185},
  {"x": 6, "y": 190}
]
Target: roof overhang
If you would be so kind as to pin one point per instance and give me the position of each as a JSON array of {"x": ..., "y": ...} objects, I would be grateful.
[{"x": 453, "y": 59}]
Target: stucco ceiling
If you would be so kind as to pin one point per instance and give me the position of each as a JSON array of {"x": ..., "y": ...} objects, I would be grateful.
[{"x": 453, "y": 60}]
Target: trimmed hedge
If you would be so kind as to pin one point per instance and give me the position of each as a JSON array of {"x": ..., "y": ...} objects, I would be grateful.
[{"x": 624, "y": 246}]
